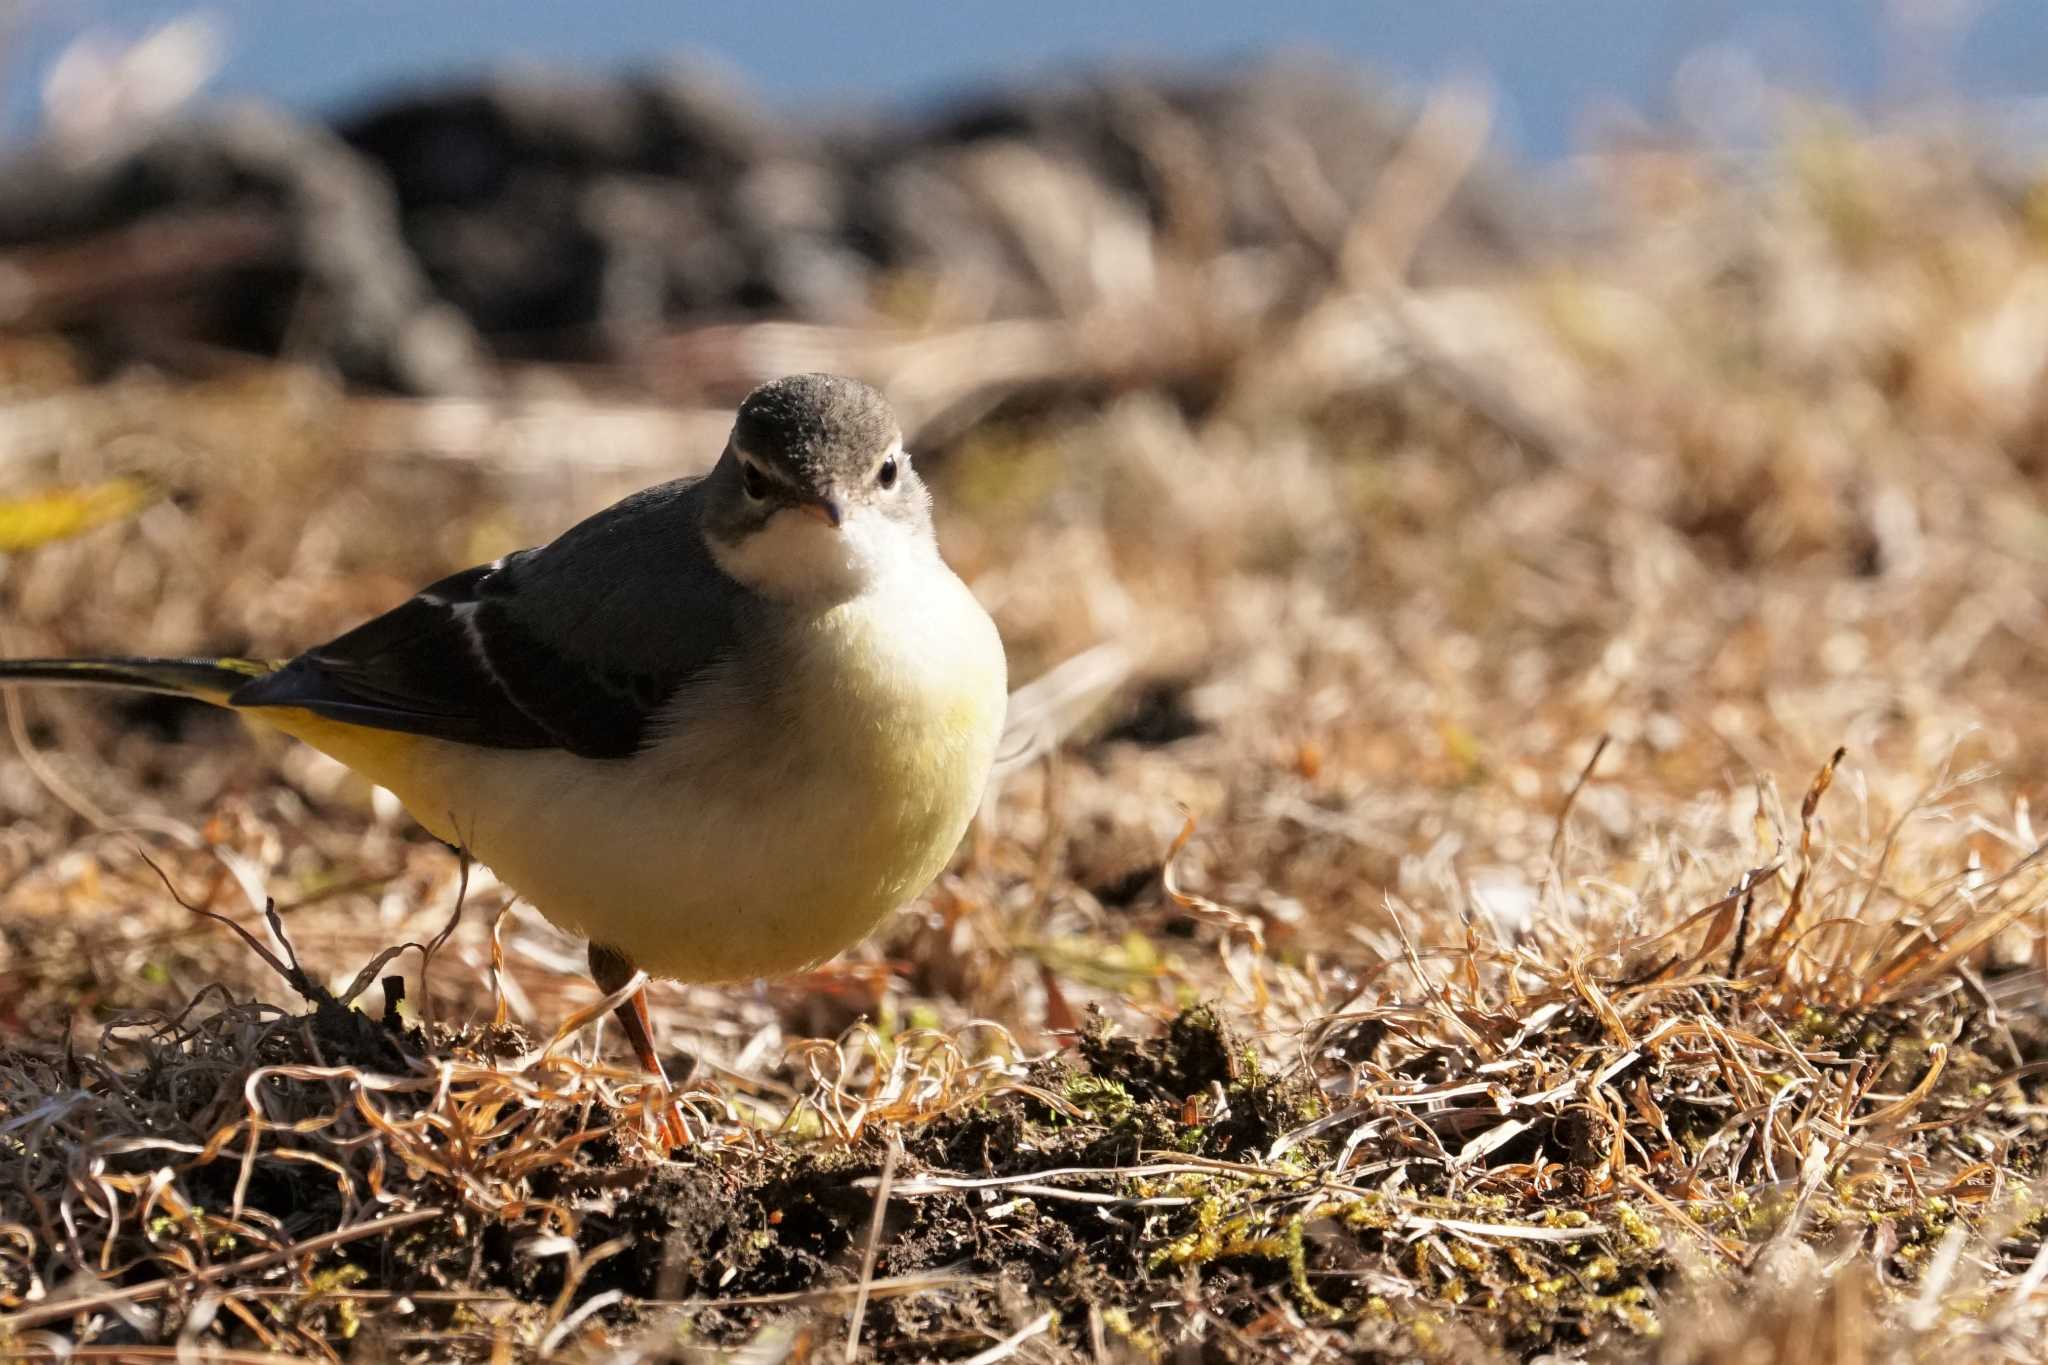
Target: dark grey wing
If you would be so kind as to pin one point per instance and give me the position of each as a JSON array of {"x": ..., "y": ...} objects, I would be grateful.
[{"x": 577, "y": 645}]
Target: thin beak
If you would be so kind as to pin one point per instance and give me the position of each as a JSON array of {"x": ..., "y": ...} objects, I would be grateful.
[{"x": 824, "y": 509}]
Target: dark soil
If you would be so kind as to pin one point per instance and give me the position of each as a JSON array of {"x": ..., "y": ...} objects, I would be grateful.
[{"x": 736, "y": 1223}]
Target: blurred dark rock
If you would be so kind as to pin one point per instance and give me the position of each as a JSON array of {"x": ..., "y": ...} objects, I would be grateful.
[
  {"x": 571, "y": 219},
  {"x": 335, "y": 279}
]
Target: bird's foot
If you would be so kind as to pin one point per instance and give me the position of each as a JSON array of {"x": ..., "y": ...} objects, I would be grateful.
[
  {"x": 670, "y": 1124},
  {"x": 611, "y": 971},
  {"x": 662, "y": 1101}
]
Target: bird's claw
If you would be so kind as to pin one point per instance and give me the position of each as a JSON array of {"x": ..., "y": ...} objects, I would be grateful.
[{"x": 671, "y": 1127}]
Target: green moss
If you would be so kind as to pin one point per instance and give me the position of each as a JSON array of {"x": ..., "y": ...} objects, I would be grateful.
[
  {"x": 1629, "y": 1307},
  {"x": 1220, "y": 1234},
  {"x": 335, "y": 1283},
  {"x": 1637, "y": 1228},
  {"x": 1105, "y": 1101}
]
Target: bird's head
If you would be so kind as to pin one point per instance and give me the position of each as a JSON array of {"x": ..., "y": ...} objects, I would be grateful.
[{"x": 814, "y": 496}]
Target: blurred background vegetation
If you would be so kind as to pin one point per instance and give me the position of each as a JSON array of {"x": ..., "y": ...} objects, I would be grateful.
[{"x": 1506, "y": 450}]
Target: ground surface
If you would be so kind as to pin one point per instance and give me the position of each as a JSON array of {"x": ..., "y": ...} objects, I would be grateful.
[{"x": 1455, "y": 937}]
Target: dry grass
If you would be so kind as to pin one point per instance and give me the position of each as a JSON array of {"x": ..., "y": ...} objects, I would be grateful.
[{"x": 1332, "y": 993}]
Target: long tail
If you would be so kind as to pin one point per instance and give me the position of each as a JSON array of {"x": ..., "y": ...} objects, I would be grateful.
[{"x": 213, "y": 680}]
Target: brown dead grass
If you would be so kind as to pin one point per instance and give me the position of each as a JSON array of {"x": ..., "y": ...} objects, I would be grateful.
[{"x": 1331, "y": 993}]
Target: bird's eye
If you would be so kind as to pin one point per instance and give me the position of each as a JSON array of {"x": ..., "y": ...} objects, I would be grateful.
[
  {"x": 753, "y": 480},
  {"x": 886, "y": 475}
]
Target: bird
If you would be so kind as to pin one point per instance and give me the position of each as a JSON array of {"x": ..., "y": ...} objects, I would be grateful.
[{"x": 719, "y": 729}]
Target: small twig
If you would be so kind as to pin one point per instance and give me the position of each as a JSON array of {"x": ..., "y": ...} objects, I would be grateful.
[
  {"x": 68, "y": 796},
  {"x": 463, "y": 864},
  {"x": 1741, "y": 936},
  {"x": 256, "y": 945},
  {"x": 561, "y": 1321},
  {"x": 1807, "y": 809},
  {"x": 500, "y": 1010},
  {"x": 155, "y": 1289},
  {"x": 874, "y": 1246},
  {"x": 1008, "y": 1346},
  {"x": 1935, "y": 1280},
  {"x": 1679, "y": 1215},
  {"x": 1571, "y": 798}
]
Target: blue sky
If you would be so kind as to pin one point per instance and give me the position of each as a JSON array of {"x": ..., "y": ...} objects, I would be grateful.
[{"x": 1550, "y": 60}]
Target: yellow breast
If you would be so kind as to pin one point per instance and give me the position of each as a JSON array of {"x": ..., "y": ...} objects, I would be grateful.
[
  {"x": 906, "y": 691},
  {"x": 760, "y": 833}
]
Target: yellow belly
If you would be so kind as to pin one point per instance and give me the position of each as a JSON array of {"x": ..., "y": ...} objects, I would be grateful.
[
  {"x": 750, "y": 839},
  {"x": 412, "y": 767}
]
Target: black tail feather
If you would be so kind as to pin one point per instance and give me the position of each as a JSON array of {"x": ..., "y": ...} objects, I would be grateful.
[{"x": 211, "y": 680}]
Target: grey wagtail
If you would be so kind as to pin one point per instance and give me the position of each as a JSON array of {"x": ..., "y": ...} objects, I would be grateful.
[{"x": 720, "y": 728}]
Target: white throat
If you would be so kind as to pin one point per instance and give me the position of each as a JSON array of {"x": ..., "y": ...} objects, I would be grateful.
[{"x": 795, "y": 557}]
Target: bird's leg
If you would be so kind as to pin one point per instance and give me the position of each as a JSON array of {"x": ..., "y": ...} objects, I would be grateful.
[{"x": 610, "y": 970}]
